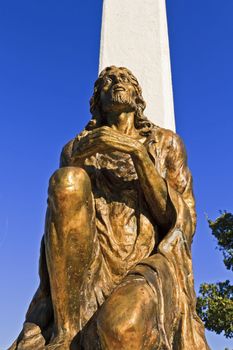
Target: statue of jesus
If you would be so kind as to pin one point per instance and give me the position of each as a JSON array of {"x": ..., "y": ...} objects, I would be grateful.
[{"x": 115, "y": 264}]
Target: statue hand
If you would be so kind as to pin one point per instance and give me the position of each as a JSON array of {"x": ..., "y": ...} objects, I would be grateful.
[{"x": 105, "y": 139}]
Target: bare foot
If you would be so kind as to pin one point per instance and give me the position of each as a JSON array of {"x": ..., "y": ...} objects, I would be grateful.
[
  {"x": 60, "y": 342},
  {"x": 30, "y": 338},
  {"x": 61, "y": 346}
]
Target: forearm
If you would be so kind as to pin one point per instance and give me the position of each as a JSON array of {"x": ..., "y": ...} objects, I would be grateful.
[{"x": 154, "y": 188}]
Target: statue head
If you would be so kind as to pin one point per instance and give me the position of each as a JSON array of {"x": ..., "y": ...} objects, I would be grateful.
[{"x": 125, "y": 94}]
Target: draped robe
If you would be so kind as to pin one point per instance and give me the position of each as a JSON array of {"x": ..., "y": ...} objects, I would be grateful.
[{"x": 128, "y": 241}]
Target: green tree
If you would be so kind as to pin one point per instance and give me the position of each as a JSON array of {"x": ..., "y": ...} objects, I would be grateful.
[{"x": 215, "y": 302}]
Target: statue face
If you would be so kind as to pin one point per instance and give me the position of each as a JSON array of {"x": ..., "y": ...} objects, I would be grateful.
[{"x": 118, "y": 93}]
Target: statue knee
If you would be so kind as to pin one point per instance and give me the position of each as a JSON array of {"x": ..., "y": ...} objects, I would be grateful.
[
  {"x": 125, "y": 323},
  {"x": 70, "y": 178},
  {"x": 69, "y": 184}
]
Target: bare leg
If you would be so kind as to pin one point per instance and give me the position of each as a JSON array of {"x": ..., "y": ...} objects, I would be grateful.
[
  {"x": 40, "y": 310},
  {"x": 69, "y": 237}
]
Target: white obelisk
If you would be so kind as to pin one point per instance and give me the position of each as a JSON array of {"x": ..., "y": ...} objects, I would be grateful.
[{"x": 134, "y": 35}]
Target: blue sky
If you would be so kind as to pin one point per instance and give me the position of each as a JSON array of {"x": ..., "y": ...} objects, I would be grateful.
[{"x": 48, "y": 62}]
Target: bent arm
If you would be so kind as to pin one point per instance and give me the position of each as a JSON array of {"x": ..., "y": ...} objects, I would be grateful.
[
  {"x": 154, "y": 188},
  {"x": 178, "y": 179}
]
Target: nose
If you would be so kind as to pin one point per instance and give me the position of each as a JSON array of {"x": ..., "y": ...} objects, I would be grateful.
[{"x": 117, "y": 80}]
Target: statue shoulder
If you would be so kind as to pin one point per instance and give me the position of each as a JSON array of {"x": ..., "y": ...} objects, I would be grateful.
[
  {"x": 168, "y": 139},
  {"x": 66, "y": 153}
]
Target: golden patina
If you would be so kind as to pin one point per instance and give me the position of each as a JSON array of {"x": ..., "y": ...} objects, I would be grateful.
[{"x": 115, "y": 263}]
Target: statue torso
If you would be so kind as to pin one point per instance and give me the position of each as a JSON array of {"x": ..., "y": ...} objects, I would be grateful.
[
  {"x": 126, "y": 231},
  {"x": 125, "y": 228}
]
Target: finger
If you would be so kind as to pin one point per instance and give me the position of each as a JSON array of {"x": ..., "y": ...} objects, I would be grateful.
[
  {"x": 90, "y": 152},
  {"x": 104, "y": 130},
  {"x": 92, "y": 146}
]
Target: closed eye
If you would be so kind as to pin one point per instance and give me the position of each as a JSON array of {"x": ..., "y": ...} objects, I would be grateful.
[
  {"x": 124, "y": 78},
  {"x": 108, "y": 80}
]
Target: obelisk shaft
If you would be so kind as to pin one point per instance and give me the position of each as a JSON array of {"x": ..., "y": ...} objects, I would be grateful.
[{"x": 134, "y": 34}]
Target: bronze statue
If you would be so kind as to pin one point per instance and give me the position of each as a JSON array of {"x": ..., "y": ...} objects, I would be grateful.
[{"x": 115, "y": 264}]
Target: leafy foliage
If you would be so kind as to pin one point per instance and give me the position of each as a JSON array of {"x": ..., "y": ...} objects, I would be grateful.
[
  {"x": 222, "y": 229},
  {"x": 215, "y": 303},
  {"x": 215, "y": 307}
]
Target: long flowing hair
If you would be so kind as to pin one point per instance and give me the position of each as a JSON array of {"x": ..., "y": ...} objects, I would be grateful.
[{"x": 140, "y": 120}]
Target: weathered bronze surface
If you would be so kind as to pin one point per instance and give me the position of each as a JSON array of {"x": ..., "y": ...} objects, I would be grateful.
[{"x": 115, "y": 264}]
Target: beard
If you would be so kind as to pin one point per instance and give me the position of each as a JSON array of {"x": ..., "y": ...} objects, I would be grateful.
[{"x": 122, "y": 98}]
